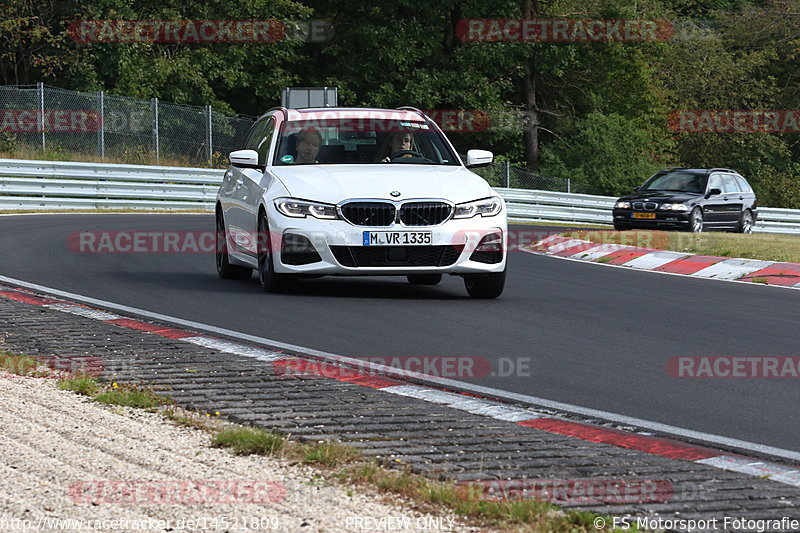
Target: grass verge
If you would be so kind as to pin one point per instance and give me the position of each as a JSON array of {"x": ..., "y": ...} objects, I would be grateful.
[
  {"x": 248, "y": 441},
  {"x": 114, "y": 393},
  {"x": 130, "y": 157},
  {"x": 83, "y": 385},
  {"x": 763, "y": 246}
]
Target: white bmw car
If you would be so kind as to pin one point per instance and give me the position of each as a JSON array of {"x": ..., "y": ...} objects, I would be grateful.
[{"x": 358, "y": 192}]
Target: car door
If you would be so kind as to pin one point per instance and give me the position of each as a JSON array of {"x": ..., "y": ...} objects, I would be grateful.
[
  {"x": 733, "y": 199},
  {"x": 715, "y": 206},
  {"x": 246, "y": 190},
  {"x": 746, "y": 194}
]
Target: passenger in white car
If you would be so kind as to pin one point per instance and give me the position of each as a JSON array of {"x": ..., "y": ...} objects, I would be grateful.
[{"x": 398, "y": 141}]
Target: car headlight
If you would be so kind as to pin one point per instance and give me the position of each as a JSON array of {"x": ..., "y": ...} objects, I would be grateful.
[
  {"x": 486, "y": 207},
  {"x": 674, "y": 207},
  {"x": 302, "y": 208},
  {"x": 622, "y": 205}
]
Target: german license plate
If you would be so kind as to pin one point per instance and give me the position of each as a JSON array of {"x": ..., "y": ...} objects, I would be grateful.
[
  {"x": 644, "y": 215},
  {"x": 397, "y": 238}
]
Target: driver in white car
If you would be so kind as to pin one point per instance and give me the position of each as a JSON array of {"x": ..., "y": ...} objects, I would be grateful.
[{"x": 308, "y": 143}]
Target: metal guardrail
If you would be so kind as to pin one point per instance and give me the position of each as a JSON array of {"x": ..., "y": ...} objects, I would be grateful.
[
  {"x": 547, "y": 206},
  {"x": 56, "y": 185}
]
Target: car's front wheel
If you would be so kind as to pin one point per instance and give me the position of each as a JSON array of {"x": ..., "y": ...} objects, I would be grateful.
[
  {"x": 424, "y": 279},
  {"x": 270, "y": 280},
  {"x": 485, "y": 285},
  {"x": 746, "y": 222},
  {"x": 225, "y": 270},
  {"x": 696, "y": 220}
]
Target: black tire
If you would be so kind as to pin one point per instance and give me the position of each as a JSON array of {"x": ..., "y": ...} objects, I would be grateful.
[
  {"x": 225, "y": 270},
  {"x": 270, "y": 281},
  {"x": 745, "y": 222},
  {"x": 696, "y": 220},
  {"x": 485, "y": 286},
  {"x": 620, "y": 227},
  {"x": 424, "y": 279}
]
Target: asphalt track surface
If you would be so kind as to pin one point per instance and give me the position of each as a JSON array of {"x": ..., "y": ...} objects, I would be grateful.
[{"x": 593, "y": 335}]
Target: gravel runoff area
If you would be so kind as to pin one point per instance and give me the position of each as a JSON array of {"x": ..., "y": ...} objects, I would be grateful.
[{"x": 57, "y": 445}]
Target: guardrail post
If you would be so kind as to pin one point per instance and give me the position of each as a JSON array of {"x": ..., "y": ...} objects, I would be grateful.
[
  {"x": 101, "y": 131},
  {"x": 156, "y": 148},
  {"x": 209, "y": 137},
  {"x": 508, "y": 174},
  {"x": 569, "y": 185},
  {"x": 40, "y": 95}
]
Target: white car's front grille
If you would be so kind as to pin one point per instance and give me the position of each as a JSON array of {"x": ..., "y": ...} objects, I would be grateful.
[
  {"x": 424, "y": 213},
  {"x": 369, "y": 213},
  {"x": 379, "y": 214}
]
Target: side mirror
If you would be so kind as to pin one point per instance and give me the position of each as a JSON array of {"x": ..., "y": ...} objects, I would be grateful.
[
  {"x": 635, "y": 189},
  {"x": 479, "y": 158},
  {"x": 713, "y": 192},
  {"x": 245, "y": 159}
]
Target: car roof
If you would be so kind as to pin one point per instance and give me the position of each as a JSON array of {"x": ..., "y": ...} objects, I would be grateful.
[
  {"x": 696, "y": 170},
  {"x": 402, "y": 113}
]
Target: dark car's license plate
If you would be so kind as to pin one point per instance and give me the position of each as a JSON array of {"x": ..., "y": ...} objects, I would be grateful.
[{"x": 644, "y": 215}]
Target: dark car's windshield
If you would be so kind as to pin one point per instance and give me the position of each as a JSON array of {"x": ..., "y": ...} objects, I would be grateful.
[
  {"x": 676, "y": 181},
  {"x": 361, "y": 140}
]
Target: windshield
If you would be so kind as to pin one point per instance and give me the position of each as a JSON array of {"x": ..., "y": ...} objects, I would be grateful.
[
  {"x": 344, "y": 140},
  {"x": 676, "y": 181}
]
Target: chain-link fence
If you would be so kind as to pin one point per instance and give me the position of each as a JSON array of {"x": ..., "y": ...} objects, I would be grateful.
[
  {"x": 504, "y": 174},
  {"x": 49, "y": 120},
  {"x": 52, "y": 123}
]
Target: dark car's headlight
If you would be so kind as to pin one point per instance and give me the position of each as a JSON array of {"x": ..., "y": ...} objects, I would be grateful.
[
  {"x": 486, "y": 207},
  {"x": 294, "y": 208},
  {"x": 622, "y": 205},
  {"x": 674, "y": 207}
]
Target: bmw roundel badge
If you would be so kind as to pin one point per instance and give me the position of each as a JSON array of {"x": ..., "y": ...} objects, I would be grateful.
[{"x": 395, "y": 194}]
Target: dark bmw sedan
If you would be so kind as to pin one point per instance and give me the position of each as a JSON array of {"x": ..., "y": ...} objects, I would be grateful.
[{"x": 690, "y": 199}]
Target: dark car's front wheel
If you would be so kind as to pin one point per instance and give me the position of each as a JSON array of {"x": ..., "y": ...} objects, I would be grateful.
[
  {"x": 696, "y": 220},
  {"x": 225, "y": 270},
  {"x": 485, "y": 285},
  {"x": 746, "y": 222},
  {"x": 270, "y": 280}
]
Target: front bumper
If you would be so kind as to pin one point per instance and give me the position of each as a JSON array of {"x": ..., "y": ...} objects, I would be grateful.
[
  {"x": 662, "y": 220},
  {"x": 339, "y": 248}
]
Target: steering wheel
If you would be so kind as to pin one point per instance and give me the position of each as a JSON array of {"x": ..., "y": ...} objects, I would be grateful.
[{"x": 402, "y": 153}]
